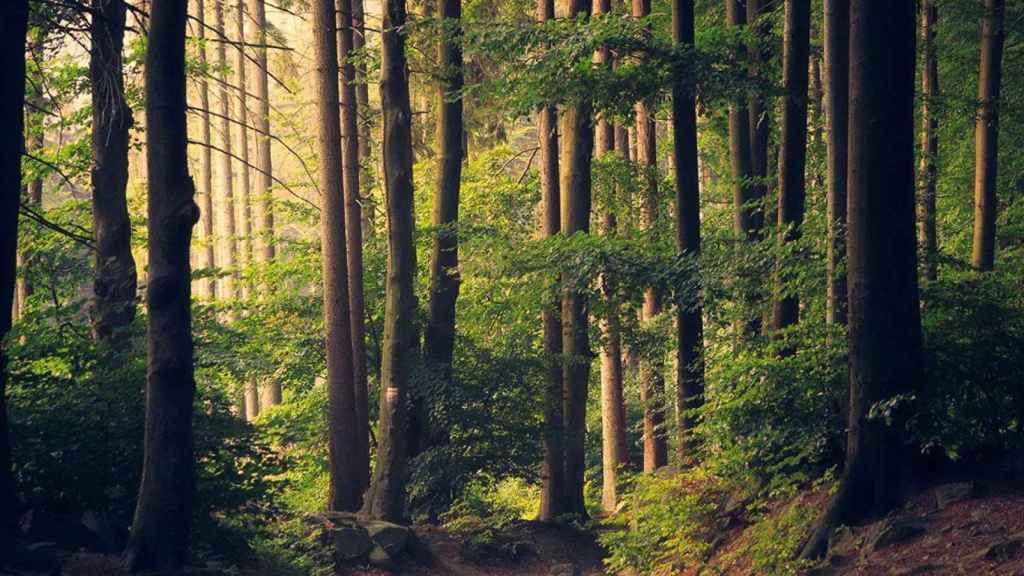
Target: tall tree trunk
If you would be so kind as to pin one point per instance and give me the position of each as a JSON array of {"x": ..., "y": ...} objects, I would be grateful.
[
  {"x": 837, "y": 101},
  {"x": 243, "y": 205},
  {"x": 689, "y": 313},
  {"x": 13, "y": 28},
  {"x": 652, "y": 380},
  {"x": 350, "y": 109},
  {"x": 986, "y": 135},
  {"x": 160, "y": 530},
  {"x": 577, "y": 145},
  {"x": 207, "y": 257},
  {"x": 33, "y": 191},
  {"x": 739, "y": 144},
  {"x": 225, "y": 224},
  {"x": 885, "y": 322},
  {"x": 346, "y": 478},
  {"x": 116, "y": 280},
  {"x": 263, "y": 204},
  {"x": 929, "y": 167},
  {"x": 552, "y": 473},
  {"x": 365, "y": 121},
  {"x": 386, "y": 497},
  {"x": 759, "y": 110},
  {"x": 793, "y": 152}
]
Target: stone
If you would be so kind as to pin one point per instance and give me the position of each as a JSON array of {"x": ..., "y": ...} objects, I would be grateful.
[
  {"x": 350, "y": 542},
  {"x": 566, "y": 570},
  {"x": 65, "y": 532},
  {"x": 379, "y": 558},
  {"x": 843, "y": 541},
  {"x": 390, "y": 537},
  {"x": 948, "y": 494},
  {"x": 1004, "y": 550},
  {"x": 895, "y": 531}
]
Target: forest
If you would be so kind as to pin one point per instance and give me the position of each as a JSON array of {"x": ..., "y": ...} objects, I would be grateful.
[{"x": 511, "y": 288}]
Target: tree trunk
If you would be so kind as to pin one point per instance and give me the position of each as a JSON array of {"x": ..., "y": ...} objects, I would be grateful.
[
  {"x": 929, "y": 170},
  {"x": 13, "y": 27},
  {"x": 160, "y": 530},
  {"x": 350, "y": 110},
  {"x": 986, "y": 135},
  {"x": 739, "y": 143},
  {"x": 552, "y": 473},
  {"x": 207, "y": 257},
  {"x": 386, "y": 497},
  {"x": 793, "y": 153},
  {"x": 885, "y": 322},
  {"x": 689, "y": 313},
  {"x": 759, "y": 113},
  {"x": 263, "y": 204},
  {"x": 837, "y": 74},
  {"x": 365, "y": 122},
  {"x": 346, "y": 478},
  {"x": 116, "y": 280},
  {"x": 225, "y": 224}
]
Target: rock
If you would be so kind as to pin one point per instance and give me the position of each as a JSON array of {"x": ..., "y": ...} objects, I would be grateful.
[
  {"x": 379, "y": 558},
  {"x": 392, "y": 538},
  {"x": 350, "y": 542},
  {"x": 112, "y": 538},
  {"x": 948, "y": 494},
  {"x": 566, "y": 570},
  {"x": 1004, "y": 550},
  {"x": 65, "y": 532},
  {"x": 844, "y": 541},
  {"x": 895, "y": 531},
  {"x": 41, "y": 557}
]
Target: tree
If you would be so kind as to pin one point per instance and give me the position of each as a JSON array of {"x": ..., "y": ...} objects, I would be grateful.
[
  {"x": 552, "y": 504},
  {"x": 759, "y": 114},
  {"x": 652, "y": 381},
  {"x": 350, "y": 159},
  {"x": 386, "y": 497},
  {"x": 885, "y": 323},
  {"x": 346, "y": 478},
  {"x": 929, "y": 172},
  {"x": 744, "y": 222},
  {"x": 207, "y": 256},
  {"x": 577, "y": 145},
  {"x": 793, "y": 161},
  {"x": 689, "y": 315},
  {"x": 160, "y": 530},
  {"x": 837, "y": 73},
  {"x": 263, "y": 205},
  {"x": 225, "y": 224},
  {"x": 13, "y": 29},
  {"x": 986, "y": 135}
]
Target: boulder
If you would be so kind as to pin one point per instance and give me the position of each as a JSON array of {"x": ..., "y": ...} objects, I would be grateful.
[
  {"x": 952, "y": 493},
  {"x": 1004, "y": 550},
  {"x": 566, "y": 570},
  {"x": 379, "y": 558},
  {"x": 65, "y": 532},
  {"x": 895, "y": 531},
  {"x": 392, "y": 538},
  {"x": 350, "y": 542}
]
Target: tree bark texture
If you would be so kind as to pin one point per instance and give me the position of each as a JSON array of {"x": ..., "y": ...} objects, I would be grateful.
[
  {"x": 986, "y": 135},
  {"x": 207, "y": 256},
  {"x": 225, "y": 221},
  {"x": 929, "y": 172},
  {"x": 837, "y": 79},
  {"x": 759, "y": 113}
]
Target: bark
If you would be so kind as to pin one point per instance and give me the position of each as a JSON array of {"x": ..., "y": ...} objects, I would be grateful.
[
  {"x": 689, "y": 313},
  {"x": 793, "y": 151},
  {"x": 744, "y": 221},
  {"x": 225, "y": 222},
  {"x": 885, "y": 323},
  {"x": 553, "y": 468},
  {"x": 577, "y": 145},
  {"x": 160, "y": 530},
  {"x": 365, "y": 122},
  {"x": 986, "y": 135},
  {"x": 116, "y": 279},
  {"x": 837, "y": 64},
  {"x": 386, "y": 497},
  {"x": 759, "y": 114},
  {"x": 929, "y": 168},
  {"x": 207, "y": 257},
  {"x": 350, "y": 110},
  {"x": 345, "y": 477},
  {"x": 33, "y": 191},
  {"x": 263, "y": 204},
  {"x": 13, "y": 28}
]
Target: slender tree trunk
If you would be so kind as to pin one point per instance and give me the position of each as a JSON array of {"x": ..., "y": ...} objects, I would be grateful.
[
  {"x": 33, "y": 191},
  {"x": 885, "y": 322},
  {"x": 929, "y": 167},
  {"x": 837, "y": 74},
  {"x": 793, "y": 160},
  {"x": 365, "y": 121},
  {"x": 263, "y": 204},
  {"x": 759, "y": 112},
  {"x": 243, "y": 205},
  {"x": 350, "y": 110},
  {"x": 346, "y": 478},
  {"x": 739, "y": 145},
  {"x": 160, "y": 530},
  {"x": 689, "y": 312},
  {"x": 116, "y": 280},
  {"x": 652, "y": 380},
  {"x": 552, "y": 473},
  {"x": 986, "y": 135},
  {"x": 13, "y": 29},
  {"x": 225, "y": 224},
  {"x": 207, "y": 257},
  {"x": 386, "y": 497}
]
